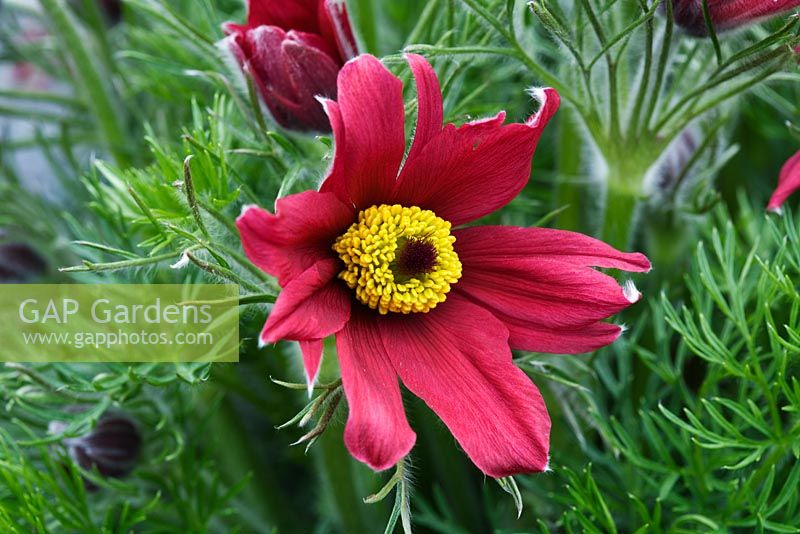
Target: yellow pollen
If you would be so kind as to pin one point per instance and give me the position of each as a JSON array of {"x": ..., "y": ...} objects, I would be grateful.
[{"x": 386, "y": 274}]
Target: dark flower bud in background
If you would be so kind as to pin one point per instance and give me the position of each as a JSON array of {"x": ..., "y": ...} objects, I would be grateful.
[
  {"x": 726, "y": 14},
  {"x": 112, "y": 447},
  {"x": 293, "y": 50},
  {"x": 672, "y": 169},
  {"x": 110, "y": 9},
  {"x": 20, "y": 263}
]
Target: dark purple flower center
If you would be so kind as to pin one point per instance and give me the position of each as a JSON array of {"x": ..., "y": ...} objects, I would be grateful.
[{"x": 415, "y": 257}]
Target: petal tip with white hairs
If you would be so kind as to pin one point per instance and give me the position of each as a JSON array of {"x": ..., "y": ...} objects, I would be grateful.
[
  {"x": 538, "y": 94},
  {"x": 777, "y": 210},
  {"x": 182, "y": 262},
  {"x": 549, "y": 101},
  {"x": 310, "y": 382},
  {"x": 245, "y": 209},
  {"x": 547, "y": 468},
  {"x": 630, "y": 291}
]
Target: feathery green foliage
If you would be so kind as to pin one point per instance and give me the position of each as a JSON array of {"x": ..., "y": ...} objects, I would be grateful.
[{"x": 689, "y": 423}]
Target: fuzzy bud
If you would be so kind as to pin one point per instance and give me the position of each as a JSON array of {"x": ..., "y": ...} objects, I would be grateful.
[
  {"x": 112, "y": 447},
  {"x": 726, "y": 14},
  {"x": 110, "y": 9},
  {"x": 20, "y": 263},
  {"x": 671, "y": 168},
  {"x": 293, "y": 53}
]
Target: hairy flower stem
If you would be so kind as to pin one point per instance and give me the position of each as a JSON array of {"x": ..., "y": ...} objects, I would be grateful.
[
  {"x": 447, "y": 467},
  {"x": 620, "y": 215},
  {"x": 344, "y": 487},
  {"x": 264, "y": 495},
  {"x": 570, "y": 191},
  {"x": 623, "y": 182},
  {"x": 668, "y": 238}
]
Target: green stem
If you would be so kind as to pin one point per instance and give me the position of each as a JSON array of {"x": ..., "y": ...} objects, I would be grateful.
[
  {"x": 621, "y": 211},
  {"x": 428, "y": 13},
  {"x": 364, "y": 18},
  {"x": 447, "y": 467},
  {"x": 125, "y": 264},
  {"x": 779, "y": 450},
  {"x": 712, "y": 32},
  {"x": 92, "y": 79},
  {"x": 668, "y": 241},
  {"x": 570, "y": 190},
  {"x": 559, "y": 29},
  {"x": 613, "y": 96},
  {"x": 663, "y": 61},
  {"x": 98, "y": 23},
  {"x": 342, "y": 486},
  {"x": 48, "y": 98},
  {"x": 644, "y": 82},
  {"x": 688, "y": 117},
  {"x": 222, "y": 272},
  {"x": 264, "y": 495}
]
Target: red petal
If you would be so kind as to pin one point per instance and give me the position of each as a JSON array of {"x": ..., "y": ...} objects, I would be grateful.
[
  {"x": 316, "y": 42},
  {"x": 230, "y": 28},
  {"x": 456, "y": 358},
  {"x": 370, "y": 138},
  {"x": 312, "y": 306},
  {"x": 429, "y": 104},
  {"x": 299, "y": 234},
  {"x": 468, "y": 172},
  {"x": 377, "y": 432},
  {"x": 540, "y": 283},
  {"x": 335, "y": 27},
  {"x": 788, "y": 183},
  {"x": 336, "y": 177},
  {"x": 312, "y": 357},
  {"x": 286, "y": 14},
  {"x": 527, "y": 335},
  {"x": 508, "y": 243}
]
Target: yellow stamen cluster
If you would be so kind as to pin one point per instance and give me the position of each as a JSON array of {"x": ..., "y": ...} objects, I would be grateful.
[{"x": 373, "y": 249}]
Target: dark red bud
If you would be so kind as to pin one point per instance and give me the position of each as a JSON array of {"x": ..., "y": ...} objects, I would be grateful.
[
  {"x": 672, "y": 165},
  {"x": 290, "y": 72},
  {"x": 293, "y": 55},
  {"x": 726, "y": 14},
  {"x": 111, "y": 9},
  {"x": 19, "y": 263},
  {"x": 112, "y": 447}
]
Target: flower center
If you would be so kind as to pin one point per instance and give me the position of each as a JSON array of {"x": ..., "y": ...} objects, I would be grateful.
[{"x": 399, "y": 259}]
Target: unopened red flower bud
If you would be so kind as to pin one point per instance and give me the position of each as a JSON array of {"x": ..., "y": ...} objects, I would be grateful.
[
  {"x": 726, "y": 14},
  {"x": 19, "y": 263},
  {"x": 293, "y": 50},
  {"x": 111, "y": 9},
  {"x": 112, "y": 447},
  {"x": 671, "y": 168}
]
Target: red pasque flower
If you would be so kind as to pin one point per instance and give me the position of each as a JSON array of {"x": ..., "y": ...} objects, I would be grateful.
[
  {"x": 726, "y": 14},
  {"x": 293, "y": 50},
  {"x": 380, "y": 257},
  {"x": 788, "y": 183}
]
